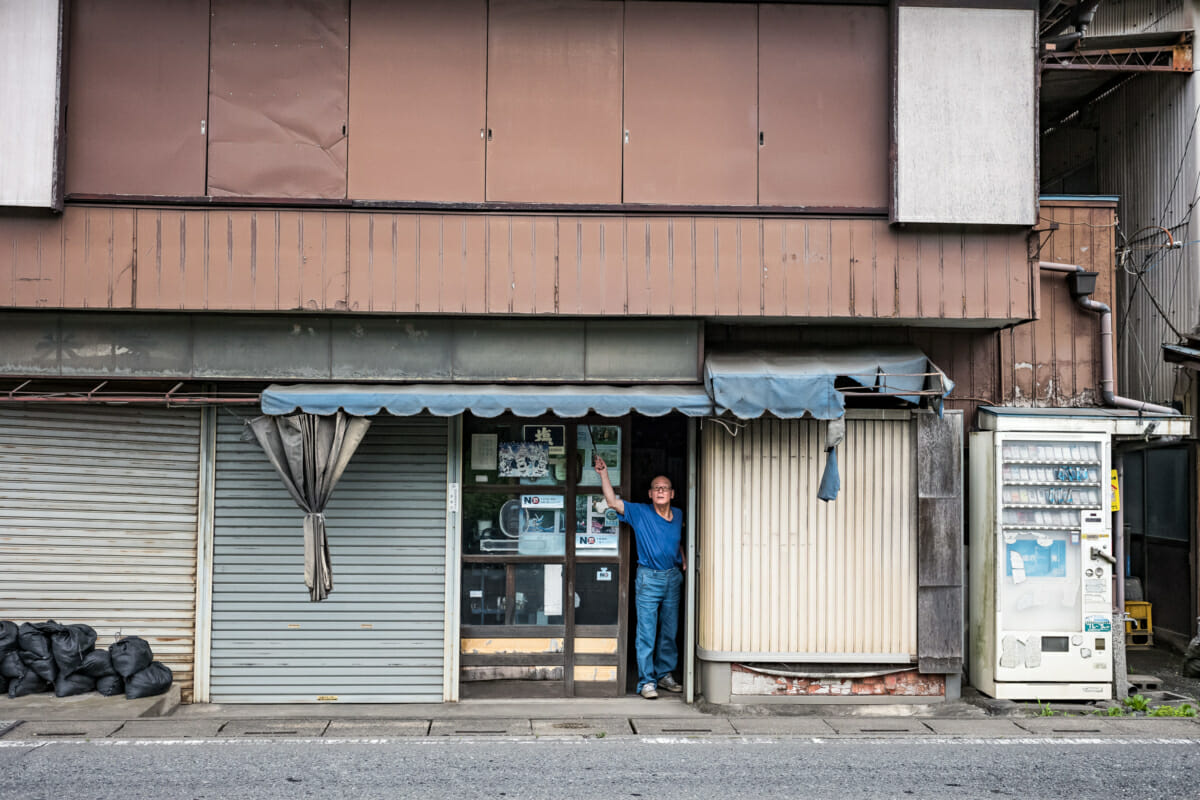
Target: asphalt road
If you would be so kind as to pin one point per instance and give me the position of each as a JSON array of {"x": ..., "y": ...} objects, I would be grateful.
[{"x": 602, "y": 768}]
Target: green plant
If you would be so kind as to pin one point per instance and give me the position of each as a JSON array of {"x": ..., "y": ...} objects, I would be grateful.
[
  {"x": 1184, "y": 710},
  {"x": 601, "y": 734},
  {"x": 1111, "y": 711},
  {"x": 1044, "y": 709},
  {"x": 1137, "y": 703}
]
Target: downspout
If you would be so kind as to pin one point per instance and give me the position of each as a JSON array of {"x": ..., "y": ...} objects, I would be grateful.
[{"x": 1106, "y": 345}]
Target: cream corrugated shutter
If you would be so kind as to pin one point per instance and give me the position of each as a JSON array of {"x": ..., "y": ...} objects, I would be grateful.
[
  {"x": 378, "y": 637},
  {"x": 98, "y": 522},
  {"x": 786, "y": 577}
]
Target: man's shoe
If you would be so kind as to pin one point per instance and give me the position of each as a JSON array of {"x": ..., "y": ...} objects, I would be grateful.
[
  {"x": 670, "y": 684},
  {"x": 649, "y": 692}
]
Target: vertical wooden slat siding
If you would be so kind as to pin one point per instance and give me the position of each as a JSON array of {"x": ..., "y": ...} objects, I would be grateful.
[
  {"x": 784, "y": 574},
  {"x": 393, "y": 262}
]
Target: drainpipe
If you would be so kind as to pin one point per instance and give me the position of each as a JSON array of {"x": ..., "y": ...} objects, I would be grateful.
[{"x": 1106, "y": 342}]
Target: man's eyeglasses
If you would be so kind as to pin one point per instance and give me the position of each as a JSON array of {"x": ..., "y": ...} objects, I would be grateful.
[{"x": 660, "y": 488}]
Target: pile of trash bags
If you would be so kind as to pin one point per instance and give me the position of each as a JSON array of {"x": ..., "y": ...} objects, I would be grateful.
[{"x": 43, "y": 656}]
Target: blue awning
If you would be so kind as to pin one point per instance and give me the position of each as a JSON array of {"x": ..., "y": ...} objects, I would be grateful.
[
  {"x": 789, "y": 385},
  {"x": 447, "y": 400}
]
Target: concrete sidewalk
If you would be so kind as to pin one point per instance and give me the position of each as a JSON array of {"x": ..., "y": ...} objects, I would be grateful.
[{"x": 44, "y": 718}]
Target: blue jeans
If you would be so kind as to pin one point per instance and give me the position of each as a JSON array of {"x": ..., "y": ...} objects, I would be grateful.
[{"x": 656, "y": 595}]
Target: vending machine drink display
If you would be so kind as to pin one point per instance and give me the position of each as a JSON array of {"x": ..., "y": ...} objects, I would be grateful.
[{"x": 1041, "y": 565}]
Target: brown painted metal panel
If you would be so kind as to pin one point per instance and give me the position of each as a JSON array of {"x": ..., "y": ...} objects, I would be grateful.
[
  {"x": 683, "y": 267},
  {"x": 637, "y": 253},
  {"x": 997, "y": 286},
  {"x": 908, "y": 280},
  {"x": 818, "y": 254},
  {"x": 974, "y": 252},
  {"x": 774, "y": 270},
  {"x": 929, "y": 275},
  {"x": 823, "y": 105},
  {"x": 750, "y": 270},
  {"x": 521, "y": 244},
  {"x": 499, "y": 264},
  {"x": 862, "y": 268},
  {"x": 454, "y": 242},
  {"x": 1024, "y": 279},
  {"x": 137, "y": 97},
  {"x": 361, "y": 284},
  {"x": 273, "y": 259},
  {"x": 545, "y": 268},
  {"x": 418, "y": 80},
  {"x": 554, "y": 101},
  {"x": 291, "y": 237},
  {"x": 277, "y": 98},
  {"x": 841, "y": 262},
  {"x": 691, "y": 82},
  {"x": 887, "y": 254},
  {"x": 660, "y": 266},
  {"x": 429, "y": 265},
  {"x": 953, "y": 283},
  {"x": 414, "y": 287},
  {"x": 474, "y": 266}
]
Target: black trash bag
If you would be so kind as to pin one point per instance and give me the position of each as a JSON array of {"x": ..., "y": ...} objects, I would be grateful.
[
  {"x": 11, "y": 665},
  {"x": 97, "y": 664},
  {"x": 3, "y": 684},
  {"x": 1191, "y": 658},
  {"x": 45, "y": 667},
  {"x": 71, "y": 644},
  {"x": 129, "y": 655},
  {"x": 109, "y": 685},
  {"x": 33, "y": 640},
  {"x": 29, "y": 683},
  {"x": 154, "y": 679},
  {"x": 68, "y": 685},
  {"x": 8, "y": 637}
]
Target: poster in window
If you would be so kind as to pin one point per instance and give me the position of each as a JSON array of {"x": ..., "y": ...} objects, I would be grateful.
[{"x": 524, "y": 460}]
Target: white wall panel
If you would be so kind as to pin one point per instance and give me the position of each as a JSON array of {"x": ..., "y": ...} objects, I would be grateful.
[
  {"x": 30, "y": 75},
  {"x": 965, "y": 116}
]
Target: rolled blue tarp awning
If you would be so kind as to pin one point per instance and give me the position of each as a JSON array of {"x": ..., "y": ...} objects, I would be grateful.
[
  {"x": 488, "y": 400},
  {"x": 790, "y": 385}
]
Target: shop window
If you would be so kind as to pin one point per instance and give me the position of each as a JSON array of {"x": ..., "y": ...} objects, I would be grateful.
[{"x": 597, "y": 593}]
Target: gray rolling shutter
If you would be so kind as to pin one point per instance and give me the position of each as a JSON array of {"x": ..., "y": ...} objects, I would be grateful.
[
  {"x": 379, "y": 635},
  {"x": 98, "y": 522}
]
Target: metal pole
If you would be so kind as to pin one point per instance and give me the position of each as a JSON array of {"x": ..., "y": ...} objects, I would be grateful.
[{"x": 1120, "y": 669}]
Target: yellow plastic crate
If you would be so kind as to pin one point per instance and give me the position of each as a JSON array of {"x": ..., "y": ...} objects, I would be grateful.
[{"x": 1139, "y": 624}]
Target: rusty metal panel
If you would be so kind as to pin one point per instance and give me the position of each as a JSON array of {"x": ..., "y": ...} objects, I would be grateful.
[
  {"x": 137, "y": 97},
  {"x": 790, "y": 578},
  {"x": 554, "y": 101},
  {"x": 99, "y": 523},
  {"x": 823, "y": 106},
  {"x": 691, "y": 85},
  {"x": 418, "y": 78},
  {"x": 277, "y": 98}
]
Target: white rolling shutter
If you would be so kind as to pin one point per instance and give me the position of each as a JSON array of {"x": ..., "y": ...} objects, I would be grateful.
[{"x": 98, "y": 522}]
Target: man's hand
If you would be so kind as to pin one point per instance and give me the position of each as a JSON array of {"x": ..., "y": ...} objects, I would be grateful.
[{"x": 610, "y": 496}]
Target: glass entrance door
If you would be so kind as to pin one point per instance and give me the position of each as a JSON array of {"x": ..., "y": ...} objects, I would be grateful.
[{"x": 545, "y": 569}]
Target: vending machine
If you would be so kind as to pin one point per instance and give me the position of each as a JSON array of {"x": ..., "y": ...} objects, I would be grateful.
[{"x": 1041, "y": 565}]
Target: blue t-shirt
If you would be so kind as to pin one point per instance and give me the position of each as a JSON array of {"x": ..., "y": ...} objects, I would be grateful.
[{"x": 657, "y": 539}]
